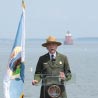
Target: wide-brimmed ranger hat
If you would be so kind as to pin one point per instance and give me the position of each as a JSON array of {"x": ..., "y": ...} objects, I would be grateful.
[{"x": 51, "y": 39}]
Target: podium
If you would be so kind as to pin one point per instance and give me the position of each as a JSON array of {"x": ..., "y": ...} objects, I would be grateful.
[{"x": 52, "y": 86}]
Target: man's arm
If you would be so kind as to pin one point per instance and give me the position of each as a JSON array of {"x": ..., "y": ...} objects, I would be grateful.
[
  {"x": 37, "y": 76},
  {"x": 67, "y": 69}
]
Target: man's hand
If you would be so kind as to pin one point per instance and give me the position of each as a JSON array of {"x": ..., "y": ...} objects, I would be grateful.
[
  {"x": 62, "y": 75},
  {"x": 34, "y": 82}
]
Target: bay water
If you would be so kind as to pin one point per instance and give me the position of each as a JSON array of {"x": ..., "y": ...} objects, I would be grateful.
[{"x": 82, "y": 57}]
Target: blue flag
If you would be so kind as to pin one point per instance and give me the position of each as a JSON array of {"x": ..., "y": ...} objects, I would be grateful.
[{"x": 14, "y": 77}]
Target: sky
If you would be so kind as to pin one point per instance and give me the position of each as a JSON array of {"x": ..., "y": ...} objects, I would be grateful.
[{"x": 50, "y": 17}]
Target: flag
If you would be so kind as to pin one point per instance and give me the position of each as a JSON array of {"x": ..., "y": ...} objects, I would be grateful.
[{"x": 14, "y": 77}]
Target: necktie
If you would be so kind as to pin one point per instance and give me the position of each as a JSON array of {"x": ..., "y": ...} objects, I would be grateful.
[{"x": 52, "y": 58}]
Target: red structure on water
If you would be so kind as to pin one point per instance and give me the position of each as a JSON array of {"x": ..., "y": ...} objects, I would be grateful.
[{"x": 68, "y": 39}]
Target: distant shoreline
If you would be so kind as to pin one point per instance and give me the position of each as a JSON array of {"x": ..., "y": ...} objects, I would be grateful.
[{"x": 78, "y": 38}]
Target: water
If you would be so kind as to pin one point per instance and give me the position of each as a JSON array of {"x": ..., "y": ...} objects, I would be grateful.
[{"x": 82, "y": 56}]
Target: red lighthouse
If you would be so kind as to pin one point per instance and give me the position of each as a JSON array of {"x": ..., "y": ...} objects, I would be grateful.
[{"x": 68, "y": 39}]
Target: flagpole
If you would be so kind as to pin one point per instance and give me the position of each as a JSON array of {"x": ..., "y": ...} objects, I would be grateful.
[
  {"x": 23, "y": 38},
  {"x": 23, "y": 28}
]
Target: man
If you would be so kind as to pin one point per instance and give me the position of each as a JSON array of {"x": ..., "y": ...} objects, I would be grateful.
[{"x": 51, "y": 66}]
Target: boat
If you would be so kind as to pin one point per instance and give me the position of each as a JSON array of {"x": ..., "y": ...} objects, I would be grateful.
[{"x": 68, "y": 39}]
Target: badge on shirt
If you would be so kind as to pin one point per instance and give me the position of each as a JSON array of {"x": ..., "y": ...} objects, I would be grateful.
[
  {"x": 44, "y": 63},
  {"x": 60, "y": 62}
]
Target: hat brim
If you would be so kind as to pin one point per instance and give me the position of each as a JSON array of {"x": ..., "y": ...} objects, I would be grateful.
[{"x": 45, "y": 44}]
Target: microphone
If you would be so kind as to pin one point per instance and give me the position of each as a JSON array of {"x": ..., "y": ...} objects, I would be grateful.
[{"x": 53, "y": 59}]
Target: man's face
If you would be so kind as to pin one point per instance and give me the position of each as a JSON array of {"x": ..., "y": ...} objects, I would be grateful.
[{"x": 52, "y": 47}]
